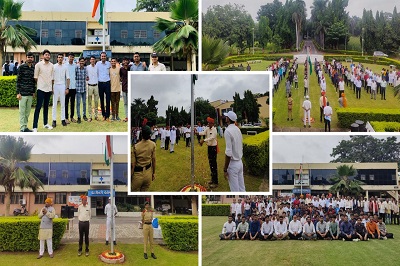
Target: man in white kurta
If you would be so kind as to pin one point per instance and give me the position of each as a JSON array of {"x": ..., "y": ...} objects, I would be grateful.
[
  {"x": 60, "y": 88},
  {"x": 172, "y": 139},
  {"x": 307, "y": 110},
  {"x": 46, "y": 216},
  {"x": 110, "y": 213}
]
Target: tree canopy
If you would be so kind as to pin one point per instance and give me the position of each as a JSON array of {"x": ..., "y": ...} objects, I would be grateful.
[{"x": 153, "y": 5}]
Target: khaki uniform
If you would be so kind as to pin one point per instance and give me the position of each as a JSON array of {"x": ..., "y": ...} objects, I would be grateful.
[
  {"x": 142, "y": 156},
  {"x": 147, "y": 218}
]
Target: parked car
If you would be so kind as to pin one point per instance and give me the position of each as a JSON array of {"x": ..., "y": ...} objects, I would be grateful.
[
  {"x": 379, "y": 53},
  {"x": 247, "y": 125}
]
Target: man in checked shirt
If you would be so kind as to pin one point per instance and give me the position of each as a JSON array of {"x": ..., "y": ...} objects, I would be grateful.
[{"x": 81, "y": 77}]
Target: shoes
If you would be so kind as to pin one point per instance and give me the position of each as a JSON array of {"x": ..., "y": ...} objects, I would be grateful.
[
  {"x": 288, "y": 119},
  {"x": 64, "y": 123},
  {"x": 118, "y": 119},
  {"x": 79, "y": 120},
  {"x": 87, "y": 253},
  {"x": 72, "y": 120},
  {"x": 96, "y": 118},
  {"x": 85, "y": 118},
  {"x": 48, "y": 126},
  {"x": 356, "y": 240},
  {"x": 90, "y": 120},
  {"x": 384, "y": 238},
  {"x": 107, "y": 120},
  {"x": 343, "y": 239},
  {"x": 145, "y": 256},
  {"x": 40, "y": 256},
  {"x": 54, "y": 124},
  {"x": 213, "y": 185},
  {"x": 304, "y": 126},
  {"x": 34, "y": 130},
  {"x": 112, "y": 119},
  {"x": 79, "y": 253},
  {"x": 309, "y": 126},
  {"x": 104, "y": 118},
  {"x": 52, "y": 255},
  {"x": 115, "y": 243},
  {"x": 153, "y": 256},
  {"x": 67, "y": 121},
  {"x": 106, "y": 242},
  {"x": 210, "y": 183},
  {"x": 126, "y": 119}
]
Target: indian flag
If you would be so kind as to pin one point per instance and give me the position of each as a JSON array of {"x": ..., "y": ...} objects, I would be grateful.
[
  {"x": 107, "y": 150},
  {"x": 97, "y": 12}
]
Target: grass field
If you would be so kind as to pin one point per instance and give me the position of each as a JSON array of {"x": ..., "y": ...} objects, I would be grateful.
[
  {"x": 280, "y": 102},
  {"x": 67, "y": 255},
  {"x": 173, "y": 170},
  {"x": 292, "y": 252},
  {"x": 10, "y": 121}
]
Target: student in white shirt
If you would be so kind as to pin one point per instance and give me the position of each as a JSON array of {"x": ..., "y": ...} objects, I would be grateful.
[
  {"x": 228, "y": 230},
  {"x": 280, "y": 229},
  {"x": 267, "y": 229},
  {"x": 295, "y": 228},
  {"x": 60, "y": 88}
]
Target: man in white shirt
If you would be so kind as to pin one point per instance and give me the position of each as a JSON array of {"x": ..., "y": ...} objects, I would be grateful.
[
  {"x": 280, "y": 228},
  {"x": 211, "y": 140},
  {"x": 309, "y": 230},
  {"x": 155, "y": 65},
  {"x": 307, "y": 111},
  {"x": 162, "y": 137},
  {"x": 341, "y": 87},
  {"x": 93, "y": 89},
  {"x": 233, "y": 169},
  {"x": 358, "y": 84},
  {"x": 84, "y": 216},
  {"x": 267, "y": 229},
  {"x": 295, "y": 228},
  {"x": 167, "y": 133},
  {"x": 172, "y": 139},
  {"x": 72, "y": 89},
  {"x": 383, "y": 88},
  {"x": 327, "y": 116},
  {"x": 238, "y": 207},
  {"x": 187, "y": 135},
  {"x": 110, "y": 213},
  {"x": 228, "y": 230},
  {"x": 233, "y": 208},
  {"x": 60, "y": 88}
]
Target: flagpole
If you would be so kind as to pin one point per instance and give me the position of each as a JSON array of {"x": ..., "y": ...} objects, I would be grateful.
[
  {"x": 112, "y": 194},
  {"x": 104, "y": 26},
  {"x": 192, "y": 80}
]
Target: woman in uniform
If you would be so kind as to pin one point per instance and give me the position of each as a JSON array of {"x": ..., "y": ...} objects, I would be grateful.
[
  {"x": 143, "y": 162},
  {"x": 147, "y": 218}
]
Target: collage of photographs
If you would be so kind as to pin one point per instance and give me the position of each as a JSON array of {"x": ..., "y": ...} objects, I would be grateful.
[{"x": 199, "y": 132}]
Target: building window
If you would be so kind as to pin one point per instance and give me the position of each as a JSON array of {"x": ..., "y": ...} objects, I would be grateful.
[
  {"x": 78, "y": 34},
  {"x": 276, "y": 177},
  {"x": 40, "y": 198},
  {"x": 83, "y": 174},
  {"x": 45, "y": 33},
  {"x": 61, "y": 198},
  {"x": 15, "y": 198},
  {"x": 371, "y": 177},
  {"x": 53, "y": 173},
  {"x": 393, "y": 177},
  {"x": 65, "y": 173},
  {"x": 230, "y": 196},
  {"x": 58, "y": 33},
  {"x": 362, "y": 178},
  {"x": 289, "y": 177},
  {"x": 319, "y": 177},
  {"x": 156, "y": 34},
  {"x": 124, "y": 34},
  {"x": 140, "y": 34},
  {"x": 125, "y": 174},
  {"x": 1, "y": 198}
]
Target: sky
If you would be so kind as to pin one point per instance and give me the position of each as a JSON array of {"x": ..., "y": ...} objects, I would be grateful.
[
  {"x": 77, "y": 5},
  {"x": 355, "y": 7},
  {"x": 306, "y": 149},
  {"x": 74, "y": 144},
  {"x": 174, "y": 89}
]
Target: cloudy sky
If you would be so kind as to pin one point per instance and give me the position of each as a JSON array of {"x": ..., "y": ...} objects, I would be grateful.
[
  {"x": 307, "y": 149},
  {"x": 74, "y": 144},
  {"x": 174, "y": 89},
  {"x": 355, "y": 7}
]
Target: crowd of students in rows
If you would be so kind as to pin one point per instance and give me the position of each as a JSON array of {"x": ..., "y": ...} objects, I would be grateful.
[{"x": 342, "y": 218}]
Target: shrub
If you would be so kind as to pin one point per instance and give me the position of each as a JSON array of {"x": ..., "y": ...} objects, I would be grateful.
[
  {"x": 8, "y": 91},
  {"x": 180, "y": 232},
  {"x": 347, "y": 116},
  {"x": 258, "y": 129},
  {"x": 216, "y": 209},
  {"x": 256, "y": 153},
  {"x": 21, "y": 233},
  {"x": 385, "y": 126}
]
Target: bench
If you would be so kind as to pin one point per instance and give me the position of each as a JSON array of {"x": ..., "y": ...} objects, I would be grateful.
[
  {"x": 251, "y": 132},
  {"x": 349, "y": 60}
]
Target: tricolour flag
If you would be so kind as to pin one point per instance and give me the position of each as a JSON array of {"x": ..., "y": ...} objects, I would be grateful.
[
  {"x": 107, "y": 150},
  {"x": 97, "y": 12}
]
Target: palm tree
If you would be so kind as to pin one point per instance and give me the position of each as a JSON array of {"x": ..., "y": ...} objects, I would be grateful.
[
  {"x": 298, "y": 16},
  {"x": 317, "y": 16},
  {"x": 12, "y": 152},
  {"x": 138, "y": 110},
  {"x": 14, "y": 36},
  {"x": 181, "y": 32},
  {"x": 343, "y": 184},
  {"x": 214, "y": 51}
]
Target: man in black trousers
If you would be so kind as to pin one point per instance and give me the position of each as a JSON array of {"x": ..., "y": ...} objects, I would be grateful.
[{"x": 84, "y": 216}]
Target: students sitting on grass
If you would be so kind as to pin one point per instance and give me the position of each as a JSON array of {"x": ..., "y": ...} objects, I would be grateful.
[
  {"x": 242, "y": 230},
  {"x": 228, "y": 230}
]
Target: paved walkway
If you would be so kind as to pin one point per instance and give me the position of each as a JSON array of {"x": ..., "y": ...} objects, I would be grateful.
[
  {"x": 307, "y": 129},
  {"x": 127, "y": 231}
]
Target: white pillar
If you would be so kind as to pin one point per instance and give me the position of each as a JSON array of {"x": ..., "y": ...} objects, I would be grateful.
[{"x": 152, "y": 201}]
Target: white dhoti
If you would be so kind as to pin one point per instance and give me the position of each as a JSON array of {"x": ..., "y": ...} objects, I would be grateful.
[
  {"x": 59, "y": 92},
  {"x": 108, "y": 230},
  {"x": 45, "y": 235},
  {"x": 235, "y": 176}
]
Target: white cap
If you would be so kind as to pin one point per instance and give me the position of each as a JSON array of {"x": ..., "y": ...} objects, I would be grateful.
[
  {"x": 109, "y": 197},
  {"x": 232, "y": 116},
  {"x": 307, "y": 97}
]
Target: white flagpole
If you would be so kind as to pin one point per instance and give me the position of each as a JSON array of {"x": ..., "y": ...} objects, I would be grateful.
[
  {"x": 112, "y": 194},
  {"x": 104, "y": 26}
]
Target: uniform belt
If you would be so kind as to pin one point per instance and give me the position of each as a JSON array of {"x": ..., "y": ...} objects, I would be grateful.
[
  {"x": 92, "y": 84},
  {"x": 147, "y": 222},
  {"x": 140, "y": 168}
]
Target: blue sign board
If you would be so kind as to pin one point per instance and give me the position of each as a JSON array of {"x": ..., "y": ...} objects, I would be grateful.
[
  {"x": 95, "y": 53},
  {"x": 99, "y": 193},
  {"x": 298, "y": 191}
]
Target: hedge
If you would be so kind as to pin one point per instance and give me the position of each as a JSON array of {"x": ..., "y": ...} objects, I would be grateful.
[
  {"x": 347, "y": 116},
  {"x": 180, "y": 232},
  {"x": 385, "y": 126},
  {"x": 265, "y": 57},
  {"x": 258, "y": 129},
  {"x": 216, "y": 209},
  {"x": 256, "y": 153},
  {"x": 8, "y": 91},
  {"x": 21, "y": 233}
]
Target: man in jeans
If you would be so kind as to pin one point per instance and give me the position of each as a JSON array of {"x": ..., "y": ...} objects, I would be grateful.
[
  {"x": 92, "y": 87},
  {"x": 25, "y": 91},
  {"x": 44, "y": 80},
  {"x": 81, "y": 77},
  {"x": 123, "y": 72},
  {"x": 103, "y": 71}
]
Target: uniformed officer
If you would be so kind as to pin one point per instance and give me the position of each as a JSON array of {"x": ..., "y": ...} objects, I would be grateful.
[
  {"x": 143, "y": 162},
  {"x": 147, "y": 218},
  {"x": 107, "y": 211}
]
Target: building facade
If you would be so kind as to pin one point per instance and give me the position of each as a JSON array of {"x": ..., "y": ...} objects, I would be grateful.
[{"x": 316, "y": 178}]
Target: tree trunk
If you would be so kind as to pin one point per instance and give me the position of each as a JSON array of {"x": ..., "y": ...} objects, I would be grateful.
[
  {"x": 2, "y": 54},
  {"x": 194, "y": 205},
  {"x": 189, "y": 62},
  {"x": 7, "y": 201},
  {"x": 194, "y": 66},
  {"x": 297, "y": 38}
]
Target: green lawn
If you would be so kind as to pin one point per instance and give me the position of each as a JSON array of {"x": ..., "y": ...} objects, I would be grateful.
[
  {"x": 292, "y": 252},
  {"x": 67, "y": 255},
  {"x": 173, "y": 170},
  {"x": 280, "y": 102},
  {"x": 254, "y": 67},
  {"x": 10, "y": 121}
]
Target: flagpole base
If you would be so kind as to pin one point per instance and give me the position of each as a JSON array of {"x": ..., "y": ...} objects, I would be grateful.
[
  {"x": 112, "y": 258},
  {"x": 197, "y": 188}
]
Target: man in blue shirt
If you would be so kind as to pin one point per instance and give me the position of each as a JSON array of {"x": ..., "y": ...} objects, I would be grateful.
[
  {"x": 103, "y": 74},
  {"x": 347, "y": 230},
  {"x": 255, "y": 227},
  {"x": 137, "y": 65}
]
